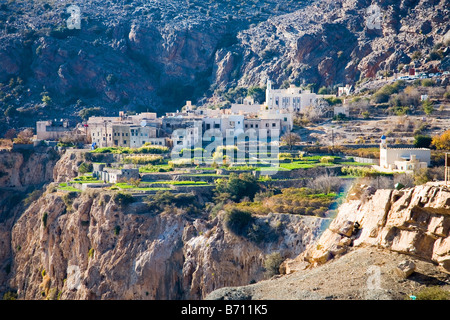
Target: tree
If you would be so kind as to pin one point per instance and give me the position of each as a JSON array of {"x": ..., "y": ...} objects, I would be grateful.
[
  {"x": 427, "y": 106},
  {"x": 290, "y": 139},
  {"x": 257, "y": 93},
  {"x": 24, "y": 137},
  {"x": 442, "y": 142},
  {"x": 238, "y": 186},
  {"x": 46, "y": 100},
  {"x": 421, "y": 141},
  {"x": 10, "y": 134}
]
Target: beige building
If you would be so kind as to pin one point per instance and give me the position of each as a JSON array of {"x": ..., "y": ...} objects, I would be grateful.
[
  {"x": 126, "y": 131},
  {"x": 52, "y": 129},
  {"x": 403, "y": 159}
]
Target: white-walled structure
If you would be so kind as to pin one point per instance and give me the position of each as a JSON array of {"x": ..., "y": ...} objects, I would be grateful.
[
  {"x": 293, "y": 99},
  {"x": 403, "y": 159}
]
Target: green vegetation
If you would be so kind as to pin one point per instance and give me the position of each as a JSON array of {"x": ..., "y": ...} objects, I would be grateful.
[
  {"x": 422, "y": 141},
  {"x": 272, "y": 264},
  {"x": 85, "y": 168},
  {"x": 125, "y": 150},
  {"x": 144, "y": 159},
  {"x": 44, "y": 219},
  {"x": 433, "y": 293},
  {"x": 10, "y": 295},
  {"x": 383, "y": 94},
  {"x": 123, "y": 199},
  {"x": 237, "y": 187}
]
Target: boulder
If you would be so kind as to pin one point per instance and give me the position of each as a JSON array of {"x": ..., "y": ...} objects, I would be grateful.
[{"x": 405, "y": 268}]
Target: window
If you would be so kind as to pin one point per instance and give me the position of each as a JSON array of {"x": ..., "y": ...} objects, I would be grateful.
[
  {"x": 267, "y": 125},
  {"x": 274, "y": 124},
  {"x": 124, "y": 141}
]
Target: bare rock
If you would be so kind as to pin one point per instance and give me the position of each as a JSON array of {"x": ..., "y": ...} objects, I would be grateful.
[{"x": 405, "y": 268}]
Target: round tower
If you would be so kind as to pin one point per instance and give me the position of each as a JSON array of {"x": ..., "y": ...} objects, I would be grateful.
[{"x": 383, "y": 144}]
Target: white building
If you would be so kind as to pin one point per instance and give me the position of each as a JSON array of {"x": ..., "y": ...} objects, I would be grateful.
[
  {"x": 247, "y": 107},
  {"x": 403, "y": 159},
  {"x": 345, "y": 91},
  {"x": 293, "y": 99}
]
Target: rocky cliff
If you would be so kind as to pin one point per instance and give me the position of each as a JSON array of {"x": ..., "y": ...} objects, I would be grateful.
[
  {"x": 382, "y": 231},
  {"x": 139, "y": 55},
  {"x": 87, "y": 246}
]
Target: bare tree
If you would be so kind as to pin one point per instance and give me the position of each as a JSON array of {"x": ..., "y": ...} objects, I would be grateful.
[
  {"x": 325, "y": 184},
  {"x": 290, "y": 139}
]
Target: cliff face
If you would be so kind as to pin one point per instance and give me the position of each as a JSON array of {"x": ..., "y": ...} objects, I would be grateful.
[
  {"x": 156, "y": 55},
  {"x": 86, "y": 246},
  {"x": 22, "y": 169},
  {"x": 412, "y": 221},
  {"x": 363, "y": 253}
]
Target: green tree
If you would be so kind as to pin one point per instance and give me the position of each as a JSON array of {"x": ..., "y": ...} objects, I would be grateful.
[
  {"x": 238, "y": 186},
  {"x": 427, "y": 106},
  {"x": 257, "y": 93},
  {"x": 46, "y": 100},
  {"x": 422, "y": 141}
]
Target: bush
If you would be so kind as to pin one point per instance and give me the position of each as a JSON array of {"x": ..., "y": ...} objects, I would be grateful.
[
  {"x": 123, "y": 199},
  {"x": 238, "y": 186},
  {"x": 238, "y": 221},
  {"x": 421, "y": 141},
  {"x": 150, "y": 159},
  {"x": 442, "y": 142},
  {"x": 10, "y": 295},
  {"x": 86, "y": 113},
  {"x": 85, "y": 168},
  {"x": 272, "y": 264},
  {"x": 433, "y": 293}
]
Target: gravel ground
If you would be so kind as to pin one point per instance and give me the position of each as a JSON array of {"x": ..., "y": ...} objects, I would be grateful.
[{"x": 362, "y": 274}]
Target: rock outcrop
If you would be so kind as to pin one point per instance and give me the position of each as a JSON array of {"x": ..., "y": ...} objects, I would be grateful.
[
  {"x": 414, "y": 221},
  {"x": 87, "y": 246},
  {"x": 383, "y": 244},
  {"x": 27, "y": 168},
  {"x": 156, "y": 55}
]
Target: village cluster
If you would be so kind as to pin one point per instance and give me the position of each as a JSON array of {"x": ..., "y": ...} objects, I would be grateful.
[{"x": 196, "y": 128}]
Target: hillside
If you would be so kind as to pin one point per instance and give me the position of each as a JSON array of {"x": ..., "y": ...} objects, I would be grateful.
[
  {"x": 359, "y": 255},
  {"x": 138, "y": 55}
]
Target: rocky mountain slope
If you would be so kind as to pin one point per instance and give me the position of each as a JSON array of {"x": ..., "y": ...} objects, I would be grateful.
[
  {"x": 139, "y": 55},
  {"x": 94, "y": 245},
  {"x": 358, "y": 256}
]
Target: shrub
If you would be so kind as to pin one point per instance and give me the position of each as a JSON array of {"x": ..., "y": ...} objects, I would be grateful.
[
  {"x": 442, "y": 142},
  {"x": 238, "y": 186},
  {"x": 238, "y": 221},
  {"x": 433, "y": 293},
  {"x": 86, "y": 113},
  {"x": 85, "y": 168},
  {"x": 427, "y": 106},
  {"x": 123, "y": 199},
  {"x": 44, "y": 219},
  {"x": 147, "y": 159},
  {"x": 272, "y": 264},
  {"x": 421, "y": 141},
  {"x": 10, "y": 295},
  {"x": 146, "y": 148}
]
